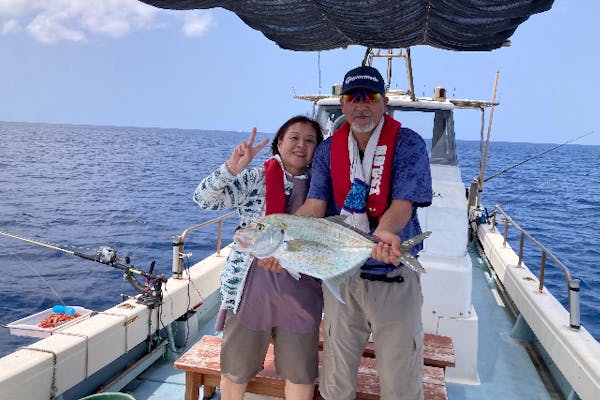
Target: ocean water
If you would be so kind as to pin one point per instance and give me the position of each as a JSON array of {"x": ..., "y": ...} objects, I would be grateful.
[{"x": 82, "y": 187}]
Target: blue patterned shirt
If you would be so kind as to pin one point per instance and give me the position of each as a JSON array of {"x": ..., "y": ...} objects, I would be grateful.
[{"x": 410, "y": 180}]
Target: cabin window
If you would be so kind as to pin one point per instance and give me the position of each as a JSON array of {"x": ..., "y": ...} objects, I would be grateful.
[
  {"x": 442, "y": 148},
  {"x": 440, "y": 123}
]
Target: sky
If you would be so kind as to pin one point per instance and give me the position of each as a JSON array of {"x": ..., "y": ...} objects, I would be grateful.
[{"x": 124, "y": 63}]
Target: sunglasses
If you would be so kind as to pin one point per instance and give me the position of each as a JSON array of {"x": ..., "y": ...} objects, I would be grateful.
[{"x": 367, "y": 97}]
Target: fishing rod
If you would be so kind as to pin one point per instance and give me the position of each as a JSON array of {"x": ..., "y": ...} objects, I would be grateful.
[
  {"x": 150, "y": 290},
  {"x": 536, "y": 156}
]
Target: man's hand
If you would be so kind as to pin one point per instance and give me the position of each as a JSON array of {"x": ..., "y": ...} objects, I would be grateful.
[
  {"x": 388, "y": 249},
  {"x": 270, "y": 264}
]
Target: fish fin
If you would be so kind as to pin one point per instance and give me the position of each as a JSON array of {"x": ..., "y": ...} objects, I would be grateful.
[
  {"x": 295, "y": 274},
  {"x": 334, "y": 288},
  {"x": 341, "y": 220},
  {"x": 411, "y": 261},
  {"x": 334, "y": 282},
  {"x": 299, "y": 244}
]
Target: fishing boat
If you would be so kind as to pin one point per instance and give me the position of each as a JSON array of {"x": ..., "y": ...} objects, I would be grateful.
[{"x": 509, "y": 335}]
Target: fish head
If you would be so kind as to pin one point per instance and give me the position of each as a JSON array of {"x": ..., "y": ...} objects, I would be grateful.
[{"x": 261, "y": 238}]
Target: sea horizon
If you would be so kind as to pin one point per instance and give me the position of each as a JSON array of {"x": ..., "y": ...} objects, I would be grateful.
[{"x": 567, "y": 142}]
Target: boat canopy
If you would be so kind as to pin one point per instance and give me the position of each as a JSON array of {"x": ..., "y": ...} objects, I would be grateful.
[{"x": 465, "y": 25}]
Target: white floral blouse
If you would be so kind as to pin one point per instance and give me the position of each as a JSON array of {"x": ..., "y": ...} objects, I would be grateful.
[{"x": 221, "y": 191}]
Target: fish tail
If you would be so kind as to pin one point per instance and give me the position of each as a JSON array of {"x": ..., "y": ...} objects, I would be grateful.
[
  {"x": 411, "y": 261},
  {"x": 407, "y": 244}
]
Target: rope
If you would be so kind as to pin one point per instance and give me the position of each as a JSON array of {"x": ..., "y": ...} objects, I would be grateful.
[
  {"x": 53, "y": 388},
  {"x": 87, "y": 348}
]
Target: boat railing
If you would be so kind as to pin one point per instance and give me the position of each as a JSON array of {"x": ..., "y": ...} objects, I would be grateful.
[
  {"x": 179, "y": 242},
  {"x": 573, "y": 284}
]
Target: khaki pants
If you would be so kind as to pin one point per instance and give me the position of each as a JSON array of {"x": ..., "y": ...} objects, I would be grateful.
[
  {"x": 392, "y": 312},
  {"x": 243, "y": 352}
]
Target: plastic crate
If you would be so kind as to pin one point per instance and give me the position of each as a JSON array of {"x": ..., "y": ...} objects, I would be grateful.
[{"x": 28, "y": 326}]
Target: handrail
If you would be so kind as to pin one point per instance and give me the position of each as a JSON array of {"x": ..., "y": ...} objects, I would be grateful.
[
  {"x": 572, "y": 283},
  {"x": 179, "y": 240}
]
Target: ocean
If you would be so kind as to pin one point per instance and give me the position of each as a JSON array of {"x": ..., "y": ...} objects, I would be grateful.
[{"x": 82, "y": 187}]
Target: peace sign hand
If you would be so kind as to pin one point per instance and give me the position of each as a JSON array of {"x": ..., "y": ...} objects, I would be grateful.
[{"x": 244, "y": 153}]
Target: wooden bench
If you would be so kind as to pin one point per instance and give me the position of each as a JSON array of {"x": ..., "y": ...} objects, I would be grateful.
[
  {"x": 437, "y": 350},
  {"x": 201, "y": 364}
]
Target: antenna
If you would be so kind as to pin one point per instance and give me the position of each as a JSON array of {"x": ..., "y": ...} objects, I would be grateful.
[{"x": 319, "y": 68}]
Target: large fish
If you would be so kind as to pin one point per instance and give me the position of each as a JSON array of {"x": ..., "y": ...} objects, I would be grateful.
[{"x": 324, "y": 248}]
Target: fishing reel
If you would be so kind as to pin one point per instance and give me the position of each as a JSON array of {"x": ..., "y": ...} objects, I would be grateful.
[
  {"x": 478, "y": 216},
  {"x": 150, "y": 291},
  {"x": 106, "y": 255}
]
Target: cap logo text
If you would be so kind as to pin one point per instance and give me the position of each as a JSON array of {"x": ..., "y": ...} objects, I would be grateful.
[{"x": 353, "y": 78}]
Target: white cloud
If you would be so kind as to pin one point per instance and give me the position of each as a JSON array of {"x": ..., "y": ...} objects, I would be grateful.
[
  {"x": 78, "y": 20},
  {"x": 196, "y": 23},
  {"x": 14, "y": 8},
  {"x": 10, "y": 26},
  {"x": 48, "y": 30}
]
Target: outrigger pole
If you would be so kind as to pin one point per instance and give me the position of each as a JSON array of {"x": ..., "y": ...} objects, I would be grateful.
[
  {"x": 489, "y": 131},
  {"x": 151, "y": 293}
]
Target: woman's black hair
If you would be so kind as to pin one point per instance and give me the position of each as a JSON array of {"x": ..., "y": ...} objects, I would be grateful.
[{"x": 298, "y": 118}]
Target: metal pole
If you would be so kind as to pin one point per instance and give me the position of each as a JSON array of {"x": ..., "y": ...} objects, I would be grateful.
[
  {"x": 411, "y": 84},
  {"x": 542, "y": 271}
]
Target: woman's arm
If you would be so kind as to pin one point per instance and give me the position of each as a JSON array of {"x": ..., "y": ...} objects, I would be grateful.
[{"x": 228, "y": 186}]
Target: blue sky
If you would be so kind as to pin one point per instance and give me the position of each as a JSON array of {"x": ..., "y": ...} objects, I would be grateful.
[{"x": 121, "y": 62}]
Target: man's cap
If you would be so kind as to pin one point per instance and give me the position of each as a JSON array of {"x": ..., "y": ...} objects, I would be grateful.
[{"x": 365, "y": 77}]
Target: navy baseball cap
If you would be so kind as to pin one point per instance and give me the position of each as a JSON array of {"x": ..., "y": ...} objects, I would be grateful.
[{"x": 365, "y": 77}]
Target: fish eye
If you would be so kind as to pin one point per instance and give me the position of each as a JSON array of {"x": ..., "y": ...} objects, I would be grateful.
[{"x": 260, "y": 227}]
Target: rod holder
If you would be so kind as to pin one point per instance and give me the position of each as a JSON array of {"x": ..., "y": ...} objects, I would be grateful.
[
  {"x": 574, "y": 317},
  {"x": 177, "y": 269},
  {"x": 473, "y": 201}
]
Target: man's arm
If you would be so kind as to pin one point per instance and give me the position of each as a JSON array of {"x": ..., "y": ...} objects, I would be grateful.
[
  {"x": 312, "y": 207},
  {"x": 393, "y": 220}
]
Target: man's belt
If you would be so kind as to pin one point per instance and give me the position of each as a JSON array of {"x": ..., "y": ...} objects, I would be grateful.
[{"x": 381, "y": 278}]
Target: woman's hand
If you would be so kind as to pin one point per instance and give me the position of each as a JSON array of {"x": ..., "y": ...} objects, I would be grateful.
[
  {"x": 244, "y": 153},
  {"x": 270, "y": 264}
]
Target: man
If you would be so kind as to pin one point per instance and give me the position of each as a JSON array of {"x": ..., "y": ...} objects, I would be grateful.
[{"x": 376, "y": 173}]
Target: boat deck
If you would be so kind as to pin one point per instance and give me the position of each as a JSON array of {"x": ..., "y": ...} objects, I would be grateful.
[{"x": 505, "y": 369}]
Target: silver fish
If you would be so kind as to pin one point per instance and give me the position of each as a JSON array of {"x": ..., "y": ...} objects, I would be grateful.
[{"x": 324, "y": 248}]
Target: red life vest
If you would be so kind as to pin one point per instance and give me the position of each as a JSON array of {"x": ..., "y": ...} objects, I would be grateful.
[
  {"x": 275, "y": 191},
  {"x": 381, "y": 173}
]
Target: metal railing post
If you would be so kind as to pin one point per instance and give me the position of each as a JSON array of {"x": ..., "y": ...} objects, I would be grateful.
[
  {"x": 572, "y": 284},
  {"x": 179, "y": 242},
  {"x": 542, "y": 271},
  {"x": 521, "y": 241},
  {"x": 219, "y": 236}
]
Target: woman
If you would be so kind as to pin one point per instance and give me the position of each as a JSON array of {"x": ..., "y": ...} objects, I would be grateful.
[{"x": 259, "y": 305}]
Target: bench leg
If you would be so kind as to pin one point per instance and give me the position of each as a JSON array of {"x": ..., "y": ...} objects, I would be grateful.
[
  {"x": 209, "y": 392},
  {"x": 193, "y": 381}
]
